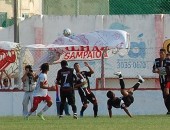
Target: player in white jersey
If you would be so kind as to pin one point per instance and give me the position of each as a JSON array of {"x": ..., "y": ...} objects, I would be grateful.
[{"x": 41, "y": 92}]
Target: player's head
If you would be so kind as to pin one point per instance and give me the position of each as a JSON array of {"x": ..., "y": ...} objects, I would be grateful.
[
  {"x": 77, "y": 67},
  {"x": 44, "y": 67},
  {"x": 110, "y": 94},
  {"x": 28, "y": 68},
  {"x": 64, "y": 64},
  {"x": 162, "y": 53},
  {"x": 5, "y": 82}
]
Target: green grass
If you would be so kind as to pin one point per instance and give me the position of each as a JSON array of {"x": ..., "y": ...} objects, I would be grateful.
[{"x": 154, "y": 122}]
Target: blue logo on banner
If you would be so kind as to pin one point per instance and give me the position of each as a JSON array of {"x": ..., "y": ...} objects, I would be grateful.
[{"x": 137, "y": 50}]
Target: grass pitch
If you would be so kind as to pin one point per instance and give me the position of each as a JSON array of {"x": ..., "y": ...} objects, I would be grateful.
[{"x": 148, "y": 122}]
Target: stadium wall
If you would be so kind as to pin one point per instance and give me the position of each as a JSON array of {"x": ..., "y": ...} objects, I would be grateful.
[{"x": 148, "y": 102}]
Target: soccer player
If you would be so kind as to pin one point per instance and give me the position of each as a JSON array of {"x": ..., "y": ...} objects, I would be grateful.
[
  {"x": 84, "y": 91},
  {"x": 159, "y": 67},
  {"x": 65, "y": 78},
  {"x": 127, "y": 96},
  {"x": 40, "y": 92},
  {"x": 167, "y": 86}
]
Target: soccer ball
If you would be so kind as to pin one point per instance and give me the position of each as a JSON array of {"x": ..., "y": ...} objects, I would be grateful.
[{"x": 67, "y": 32}]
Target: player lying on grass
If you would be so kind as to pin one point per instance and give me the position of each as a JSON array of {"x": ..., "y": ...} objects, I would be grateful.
[{"x": 127, "y": 96}]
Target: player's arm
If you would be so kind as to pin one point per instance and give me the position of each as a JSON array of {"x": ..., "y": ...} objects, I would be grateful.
[
  {"x": 155, "y": 69},
  {"x": 127, "y": 112},
  {"x": 80, "y": 84},
  {"x": 87, "y": 65},
  {"x": 83, "y": 82},
  {"x": 24, "y": 76},
  {"x": 110, "y": 113},
  {"x": 58, "y": 79},
  {"x": 123, "y": 106},
  {"x": 109, "y": 107},
  {"x": 43, "y": 86},
  {"x": 35, "y": 76}
]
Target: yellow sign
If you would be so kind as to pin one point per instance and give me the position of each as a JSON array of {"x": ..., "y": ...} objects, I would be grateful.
[{"x": 166, "y": 45}]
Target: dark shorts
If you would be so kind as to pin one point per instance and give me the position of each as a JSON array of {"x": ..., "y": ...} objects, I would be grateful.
[
  {"x": 69, "y": 95},
  {"x": 85, "y": 97},
  {"x": 82, "y": 96},
  {"x": 91, "y": 97},
  {"x": 128, "y": 100}
]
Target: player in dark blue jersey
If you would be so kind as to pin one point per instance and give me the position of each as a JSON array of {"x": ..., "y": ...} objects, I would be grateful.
[
  {"x": 84, "y": 91},
  {"x": 66, "y": 79},
  {"x": 159, "y": 67},
  {"x": 127, "y": 96}
]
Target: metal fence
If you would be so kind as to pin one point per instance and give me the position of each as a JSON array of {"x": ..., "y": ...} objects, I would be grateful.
[{"x": 27, "y": 8}]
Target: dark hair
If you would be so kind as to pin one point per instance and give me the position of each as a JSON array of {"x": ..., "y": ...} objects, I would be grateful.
[
  {"x": 110, "y": 94},
  {"x": 162, "y": 50},
  {"x": 5, "y": 80},
  {"x": 44, "y": 67},
  {"x": 64, "y": 63},
  {"x": 75, "y": 64},
  {"x": 29, "y": 67}
]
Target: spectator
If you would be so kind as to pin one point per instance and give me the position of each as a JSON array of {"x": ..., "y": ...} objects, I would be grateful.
[
  {"x": 29, "y": 82},
  {"x": 5, "y": 83}
]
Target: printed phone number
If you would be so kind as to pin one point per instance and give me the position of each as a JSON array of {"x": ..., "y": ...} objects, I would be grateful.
[{"x": 131, "y": 64}]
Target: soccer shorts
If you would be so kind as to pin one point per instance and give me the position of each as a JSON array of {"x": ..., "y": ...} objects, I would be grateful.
[{"x": 38, "y": 99}]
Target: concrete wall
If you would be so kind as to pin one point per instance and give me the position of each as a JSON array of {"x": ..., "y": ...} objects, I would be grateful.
[{"x": 146, "y": 102}]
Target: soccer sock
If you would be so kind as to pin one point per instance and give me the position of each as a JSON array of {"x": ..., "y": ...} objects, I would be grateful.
[
  {"x": 44, "y": 109},
  {"x": 83, "y": 109},
  {"x": 122, "y": 84},
  {"x": 29, "y": 113},
  {"x": 140, "y": 81},
  {"x": 167, "y": 103},
  {"x": 95, "y": 109},
  {"x": 61, "y": 108},
  {"x": 136, "y": 86},
  {"x": 66, "y": 108},
  {"x": 120, "y": 76}
]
